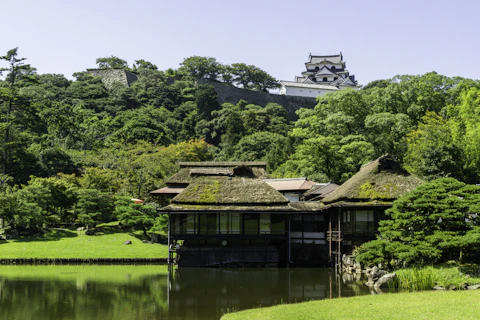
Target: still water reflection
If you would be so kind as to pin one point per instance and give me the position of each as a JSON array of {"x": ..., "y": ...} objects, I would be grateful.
[{"x": 151, "y": 292}]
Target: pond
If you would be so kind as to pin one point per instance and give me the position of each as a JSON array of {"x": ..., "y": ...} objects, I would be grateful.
[{"x": 152, "y": 292}]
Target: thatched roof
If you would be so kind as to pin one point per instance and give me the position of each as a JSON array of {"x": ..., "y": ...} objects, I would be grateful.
[
  {"x": 382, "y": 179},
  {"x": 238, "y": 189},
  {"x": 292, "y": 207},
  {"x": 175, "y": 207},
  {"x": 307, "y": 206},
  {"x": 188, "y": 170}
]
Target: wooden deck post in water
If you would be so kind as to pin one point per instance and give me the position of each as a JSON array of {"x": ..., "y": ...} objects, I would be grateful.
[{"x": 168, "y": 240}]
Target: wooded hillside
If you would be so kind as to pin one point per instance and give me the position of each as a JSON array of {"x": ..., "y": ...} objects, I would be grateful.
[{"x": 71, "y": 149}]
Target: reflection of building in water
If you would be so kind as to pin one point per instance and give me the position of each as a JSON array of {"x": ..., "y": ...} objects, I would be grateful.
[
  {"x": 229, "y": 213},
  {"x": 193, "y": 291}
]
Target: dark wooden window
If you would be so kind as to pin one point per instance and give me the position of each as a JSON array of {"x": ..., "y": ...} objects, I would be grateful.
[
  {"x": 212, "y": 223},
  {"x": 229, "y": 223},
  {"x": 325, "y": 79},
  {"x": 183, "y": 224},
  {"x": 313, "y": 223},
  {"x": 296, "y": 224},
  {"x": 358, "y": 222},
  {"x": 208, "y": 223},
  {"x": 250, "y": 223},
  {"x": 278, "y": 223},
  {"x": 264, "y": 223}
]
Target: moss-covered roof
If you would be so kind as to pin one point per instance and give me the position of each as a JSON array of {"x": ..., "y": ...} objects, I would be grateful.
[
  {"x": 382, "y": 179},
  {"x": 229, "y": 207},
  {"x": 213, "y": 190},
  {"x": 307, "y": 206},
  {"x": 184, "y": 175}
]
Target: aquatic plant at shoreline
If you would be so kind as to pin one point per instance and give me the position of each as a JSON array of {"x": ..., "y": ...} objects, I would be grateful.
[{"x": 420, "y": 279}]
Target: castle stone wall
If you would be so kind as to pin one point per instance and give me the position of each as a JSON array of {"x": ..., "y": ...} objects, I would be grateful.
[
  {"x": 110, "y": 76},
  {"x": 233, "y": 95}
]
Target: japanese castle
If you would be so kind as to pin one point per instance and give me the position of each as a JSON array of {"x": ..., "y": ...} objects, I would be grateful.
[{"x": 323, "y": 74}]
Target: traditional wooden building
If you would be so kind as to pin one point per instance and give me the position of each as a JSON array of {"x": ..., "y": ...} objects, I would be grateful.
[
  {"x": 356, "y": 207},
  {"x": 226, "y": 213},
  {"x": 323, "y": 74}
]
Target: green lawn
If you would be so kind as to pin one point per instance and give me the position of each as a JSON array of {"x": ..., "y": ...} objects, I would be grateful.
[
  {"x": 64, "y": 243},
  {"x": 436, "y": 305}
]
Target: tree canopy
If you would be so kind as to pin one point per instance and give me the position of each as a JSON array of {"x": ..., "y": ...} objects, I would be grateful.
[
  {"x": 111, "y": 62},
  {"x": 436, "y": 222},
  {"x": 123, "y": 141}
]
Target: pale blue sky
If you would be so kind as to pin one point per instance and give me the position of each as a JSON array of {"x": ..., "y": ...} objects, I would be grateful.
[{"x": 379, "y": 39}]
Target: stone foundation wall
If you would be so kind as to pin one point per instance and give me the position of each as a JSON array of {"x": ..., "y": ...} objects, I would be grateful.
[
  {"x": 233, "y": 95},
  {"x": 110, "y": 76}
]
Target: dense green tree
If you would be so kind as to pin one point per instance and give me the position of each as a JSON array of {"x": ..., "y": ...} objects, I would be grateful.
[
  {"x": 146, "y": 123},
  {"x": 234, "y": 130},
  {"x": 388, "y": 132},
  {"x": 432, "y": 153},
  {"x": 111, "y": 62},
  {"x": 465, "y": 128},
  {"x": 354, "y": 153},
  {"x": 11, "y": 105},
  {"x": 436, "y": 222},
  {"x": 139, "y": 216},
  {"x": 263, "y": 146},
  {"x": 56, "y": 160},
  {"x": 143, "y": 64},
  {"x": 93, "y": 207},
  {"x": 206, "y": 100},
  {"x": 251, "y": 77},
  {"x": 201, "y": 67},
  {"x": 316, "y": 158},
  {"x": 58, "y": 199}
]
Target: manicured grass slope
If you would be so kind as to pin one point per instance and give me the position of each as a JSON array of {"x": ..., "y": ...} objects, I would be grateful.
[
  {"x": 436, "y": 305},
  {"x": 64, "y": 243}
]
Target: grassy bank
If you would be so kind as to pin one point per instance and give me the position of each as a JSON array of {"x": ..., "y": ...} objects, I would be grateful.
[
  {"x": 64, "y": 243},
  {"x": 436, "y": 305}
]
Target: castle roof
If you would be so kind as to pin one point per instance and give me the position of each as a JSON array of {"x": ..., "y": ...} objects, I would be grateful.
[
  {"x": 334, "y": 59},
  {"x": 324, "y": 71}
]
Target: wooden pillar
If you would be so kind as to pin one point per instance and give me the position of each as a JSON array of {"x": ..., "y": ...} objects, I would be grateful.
[
  {"x": 289, "y": 245},
  {"x": 329, "y": 233},
  {"x": 168, "y": 241},
  {"x": 339, "y": 242}
]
